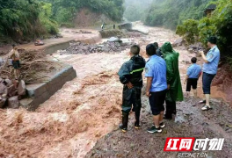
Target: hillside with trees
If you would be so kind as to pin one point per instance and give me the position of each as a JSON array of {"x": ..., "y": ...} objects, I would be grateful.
[
  {"x": 169, "y": 13},
  {"x": 136, "y": 9},
  {"x": 23, "y": 20},
  {"x": 219, "y": 24}
]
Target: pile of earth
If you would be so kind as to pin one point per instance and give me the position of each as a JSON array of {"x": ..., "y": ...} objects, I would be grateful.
[
  {"x": 107, "y": 47},
  {"x": 223, "y": 81},
  {"x": 35, "y": 67}
]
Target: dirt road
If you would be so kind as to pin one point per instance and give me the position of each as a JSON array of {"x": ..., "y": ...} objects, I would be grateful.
[{"x": 86, "y": 111}]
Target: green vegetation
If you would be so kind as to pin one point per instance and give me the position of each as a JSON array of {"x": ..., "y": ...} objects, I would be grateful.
[
  {"x": 64, "y": 11},
  {"x": 170, "y": 13},
  {"x": 22, "y": 20},
  {"x": 190, "y": 32},
  {"x": 218, "y": 24}
]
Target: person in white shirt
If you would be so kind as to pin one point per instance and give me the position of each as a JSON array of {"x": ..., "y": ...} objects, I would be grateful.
[{"x": 15, "y": 57}]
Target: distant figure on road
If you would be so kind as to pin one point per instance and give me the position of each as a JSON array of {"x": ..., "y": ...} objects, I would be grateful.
[
  {"x": 114, "y": 26},
  {"x": 210, "y": 68},
  {"x": 14, "y": 56},
  {"x": 156, "y": 87},
  {"x": 130, "y": 75},
  {"x": 102, "y": 26},
  {"x": 193, "y": 74},
  {"x": 174, "y": 92}
]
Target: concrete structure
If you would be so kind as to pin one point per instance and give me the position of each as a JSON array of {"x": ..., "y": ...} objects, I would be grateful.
[
  {"x": 126, "y": 26},
  {"x": 39, "y": 93}
]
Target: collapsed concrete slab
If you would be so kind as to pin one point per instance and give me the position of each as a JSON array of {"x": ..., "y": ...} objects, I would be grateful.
[
  {"x": 138, "y": 27},
  {"x": 126, "y": 26},
  {"x": 39, "y": 93}
]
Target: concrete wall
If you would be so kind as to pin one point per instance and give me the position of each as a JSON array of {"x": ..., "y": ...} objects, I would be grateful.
[
  {"x": 56, "y": 47},
  {"x": 39, "y": 93}
]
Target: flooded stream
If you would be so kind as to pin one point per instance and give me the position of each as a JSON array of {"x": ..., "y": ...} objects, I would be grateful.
[{"x": 69, "y": 124}]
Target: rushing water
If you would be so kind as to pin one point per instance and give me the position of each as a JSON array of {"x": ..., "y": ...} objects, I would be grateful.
[{"x": 85, "y": 109}]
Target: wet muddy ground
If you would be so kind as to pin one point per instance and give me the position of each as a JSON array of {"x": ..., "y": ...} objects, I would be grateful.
[
  {"x": 189, "y": 122},
  {"x": 83, "y": 116}
]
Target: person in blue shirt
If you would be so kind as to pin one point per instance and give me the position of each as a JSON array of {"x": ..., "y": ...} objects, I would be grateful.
[
  {"x": 210, "y": 68},
  {"x": 155, "y": 71},
  {"x": 193, "y": 74}
]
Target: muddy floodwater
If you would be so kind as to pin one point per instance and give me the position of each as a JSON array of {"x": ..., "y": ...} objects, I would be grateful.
[{"x": 84, "y": 112}]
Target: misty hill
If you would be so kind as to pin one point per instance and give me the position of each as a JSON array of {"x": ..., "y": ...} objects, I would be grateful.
[
  {"x": 136, "y": 9},
  {"x": 23, "y": 20}
]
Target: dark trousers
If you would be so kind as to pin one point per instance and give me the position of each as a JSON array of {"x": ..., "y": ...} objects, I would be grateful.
[
  {"x": 207, "y": 80},
  {"x": 170, "y": 109},
  {"x": 131, "y": 97}
]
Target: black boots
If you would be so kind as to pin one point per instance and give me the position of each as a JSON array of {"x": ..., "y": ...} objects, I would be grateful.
[
  {"x": 124, "y": 124},
  {"x": 137, "y": 118}
]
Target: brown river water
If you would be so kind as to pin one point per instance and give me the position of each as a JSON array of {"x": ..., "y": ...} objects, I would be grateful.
[{"x": 87, "y": 108}]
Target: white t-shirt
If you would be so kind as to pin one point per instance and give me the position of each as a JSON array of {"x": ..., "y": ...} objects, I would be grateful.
[{"x": 14, "y": 55}]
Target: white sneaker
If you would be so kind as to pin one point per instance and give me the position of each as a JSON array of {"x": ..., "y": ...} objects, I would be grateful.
[{"x": 206, "y": 107}]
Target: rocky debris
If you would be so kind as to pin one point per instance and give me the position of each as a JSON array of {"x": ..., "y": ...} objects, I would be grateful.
[
  {"x": 115, "y": 39},
  {"x": 1, "y": 61},
  {"x": 2, "y": 102},
  {"x": 194, "y": 48},
  {"x": 110, "y": 33},
  {"x": 13, "y": 102},
  {"x": 112, "y": 46},
  {"x": 22, "y": 88},
  {"x": 3, "y": 93},
  {"x": 178, "y": 42},
  {"x": 10, "y": 92}
]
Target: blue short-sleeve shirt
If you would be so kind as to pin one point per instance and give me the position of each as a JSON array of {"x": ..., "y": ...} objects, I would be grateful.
[
  {"x": 213, "y": 58},
  {"x": 194, "y": 71},
  {"x": 156, "y": 68}
]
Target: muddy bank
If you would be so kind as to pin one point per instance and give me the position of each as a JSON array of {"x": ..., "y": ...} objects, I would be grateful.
[
  {"x": 190, "y": 122},
  {"x": 223, "y": 81},
  {"x": 54, "y": 44}
]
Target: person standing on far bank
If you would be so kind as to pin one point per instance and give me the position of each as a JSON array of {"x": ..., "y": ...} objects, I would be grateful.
[
  {"x": 210, "y": 68},
  {"x": 15, "y": 57}
]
